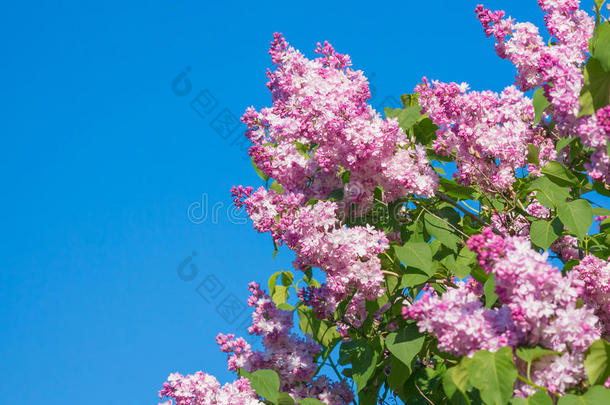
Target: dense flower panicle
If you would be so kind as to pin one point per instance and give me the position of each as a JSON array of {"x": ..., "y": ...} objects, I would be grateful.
[
  {"x": 321, "y": 125},
  {"x": 291, "y": 356},
  {"x": 487, "y": 132},
  {"x": 461, "y": 322},
  {"x": 594, "y": 131},
  {"x": 204, "y": 389},
  {"x": 347, "y": 255},
  {"x": 537, "y": 306},
  {"x": 272, "y": 212},
  {"x": 595, "y": 273},
  {"x": 556, "y": 68},
  {"x": 543, "y": 305}
]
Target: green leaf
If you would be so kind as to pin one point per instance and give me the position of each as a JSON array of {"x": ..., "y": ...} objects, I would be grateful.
[
  {"x": 416, "y": 254},
  {"x": 407, "y": 117},
  {"x": 399, "y": 373},
  {"x": 548, "y": 193},
  {"x": 601, "y": 44},
  {"x": 321, "y": 330},
  {"x": 597, "y": 362},
  {"x": 441, "y": 229},
  {"x": 529, "y": 354},
  {"x": 406, "y": 343},
  {"x": 533, "y": 152},
  {"x": 284, "y": 399},
  {"x": 425, "y": 131},
  {"x": 413, "y": 277},
  {"x": 345, "y": 177},
  {"x": 577, "y": 215},
  {"x": 601, "y": 210},
  {"x": 409, "y": 100},
  {"x": 563, "y": 142},
  {"x": 596, "y": 395},
  {"x": 544, "y": 233},
  {"x": 490, "y": 292},
  {"x": 277, "y": 187},
  {"x": 595, "y": 93},
  {"x": 540, "y": 104},
  {"x": 494, "y": 375},
  {"x": 266, "y": 383},
  {"x": 280, "y": 295},
  {"x": 559, "y": 174},
  {"x": 462, "y": 264},
  {"x": 310, "y": 401},
  {"x": 456, "y": 190},
  {"x": 456, "y": 378},
  {"x": 363, "y": 359}
]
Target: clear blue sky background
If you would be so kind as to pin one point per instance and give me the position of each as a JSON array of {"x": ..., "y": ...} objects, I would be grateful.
[{"x": 101, "y": 160}]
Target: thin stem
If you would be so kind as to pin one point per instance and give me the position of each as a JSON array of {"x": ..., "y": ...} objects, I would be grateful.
[
  {"x": 389, "y": 257},
  {"x": 475, "y": 218},
  {"x": 533, "y": 384},
  {"x": 423, "y": 395}
]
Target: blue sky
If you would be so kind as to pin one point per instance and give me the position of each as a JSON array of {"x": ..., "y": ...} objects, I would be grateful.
[{"x": 102, "y": 157}]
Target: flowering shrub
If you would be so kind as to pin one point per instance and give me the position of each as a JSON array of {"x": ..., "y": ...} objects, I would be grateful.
[{"x": 489, "y": 287}]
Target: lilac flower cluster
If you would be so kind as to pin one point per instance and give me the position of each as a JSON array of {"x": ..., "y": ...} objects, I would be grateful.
[
  {"x": 556, "y": 68},
  {"x": 320, "y": 125},
  {"x": 286, "y": 353},
  {"x": 461, "y": 322},
  {"x": 487, "y": 132},
  {"x": 204, "y": 389},
  {"x": 595, "y": 273},
  {"x": 536, "y": 306}
]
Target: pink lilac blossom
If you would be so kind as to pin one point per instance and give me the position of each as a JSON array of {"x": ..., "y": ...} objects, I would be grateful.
[
  {"x": 594, "y": 131},
  {"x": 270, "y": 211},
  {"x": 487, "y": 132},
  {"x": 537, "y": 306},
  {"x": 347, "y": 255},
  {"x": 566, "y": 247},
  {"x": 291, "y": 356},
  {"x": 595, "y": 273},
  {"x": 461, "y": 322},
  {"x": 557, "y": 69},
  {"x": 538, "y": 210},
  {"x": 320, "y": 125},
  {"x": 543, "y": 305},
  {"x": 315, "y": 234},
  {"x": 204, "y": 389}
]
